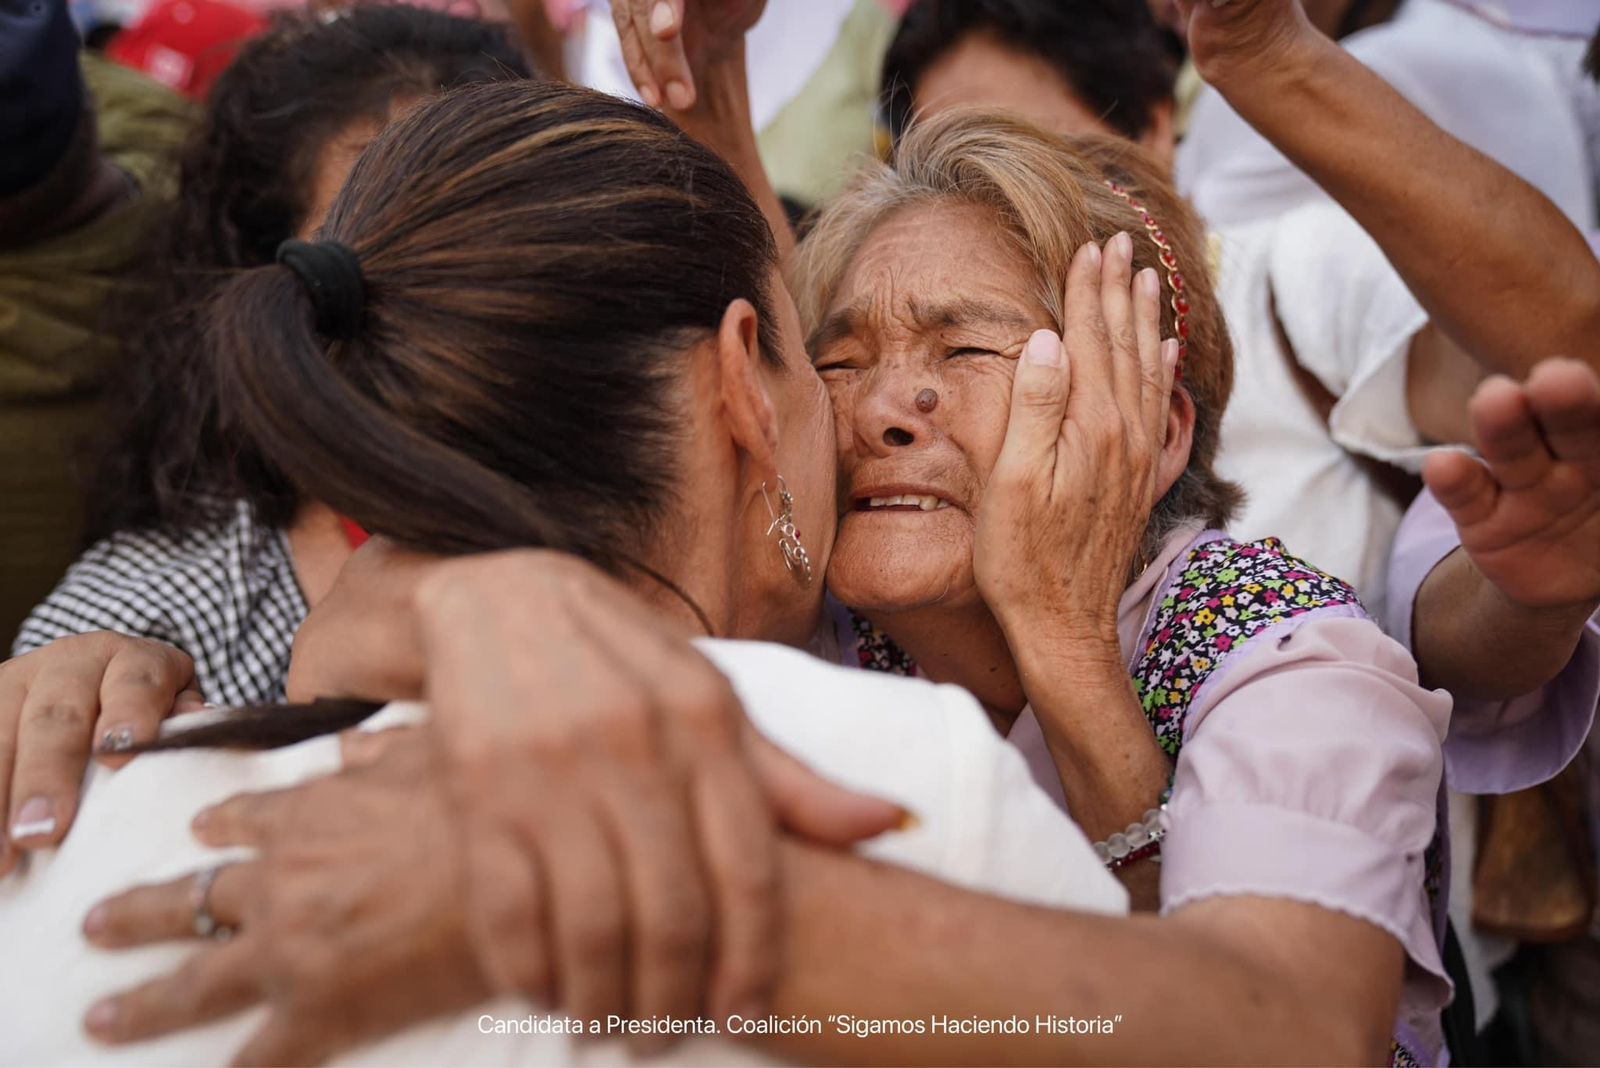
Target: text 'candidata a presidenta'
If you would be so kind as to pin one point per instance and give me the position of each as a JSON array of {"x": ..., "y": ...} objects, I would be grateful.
[{"x": 835, "y": 1023}]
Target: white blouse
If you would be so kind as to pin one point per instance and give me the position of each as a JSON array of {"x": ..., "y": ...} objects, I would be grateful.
[{"x": 981, "y": 823}]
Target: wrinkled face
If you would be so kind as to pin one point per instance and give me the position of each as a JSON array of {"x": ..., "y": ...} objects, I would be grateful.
[{"x": 935, "y": 300}]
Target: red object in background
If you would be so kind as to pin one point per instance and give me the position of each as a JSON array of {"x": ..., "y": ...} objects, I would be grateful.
[{"x": 186, "y": 44}]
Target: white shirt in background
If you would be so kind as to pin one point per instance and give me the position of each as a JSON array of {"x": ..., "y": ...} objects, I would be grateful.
[
  {"x": 982, "y": 823},
  {"x": 1351, "y": 321}
]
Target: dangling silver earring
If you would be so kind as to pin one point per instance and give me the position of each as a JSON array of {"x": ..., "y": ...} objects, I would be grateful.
[{"x": 795, "y": 557}]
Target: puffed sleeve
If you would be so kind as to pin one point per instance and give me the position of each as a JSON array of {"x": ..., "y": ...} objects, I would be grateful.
[
  {"x": 1495, "y": 747},
  {"x": 1310, "y": 771}
]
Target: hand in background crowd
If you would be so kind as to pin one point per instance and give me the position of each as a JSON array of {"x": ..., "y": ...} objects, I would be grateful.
[
  {"x": 1240, "y": 36},
  {"x": 1529, "y": 513},
  {"x": 666, "y": 42},
  {"x": 81, "y": 696}
]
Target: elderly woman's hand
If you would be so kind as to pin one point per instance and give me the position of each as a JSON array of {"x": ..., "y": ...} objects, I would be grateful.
[
  {"x": 665, "y": 42},
  {"x": 1066, "y": 506},
  {"x": 77, "y": 697},
  {"x": 1090, "y": 443},
  {"x": 350, "y": 924}
]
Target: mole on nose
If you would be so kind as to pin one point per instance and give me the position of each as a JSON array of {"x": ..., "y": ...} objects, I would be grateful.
[{"x": 927, "y": 400}]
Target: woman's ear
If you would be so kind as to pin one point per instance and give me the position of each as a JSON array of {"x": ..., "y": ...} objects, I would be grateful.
[
  {"x": 752, "y": 420},
  {"x": 1180, "y": 441}
]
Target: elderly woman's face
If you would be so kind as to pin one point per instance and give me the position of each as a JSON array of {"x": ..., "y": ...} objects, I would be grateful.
[{"x": 917, "y": 351}]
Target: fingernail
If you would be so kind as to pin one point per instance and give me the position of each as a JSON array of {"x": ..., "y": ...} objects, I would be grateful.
[
  {"x": 648, "y": 94},
  {"x": 1169, "y": 350},
  {"x": 102, "y": 1016},
  {"x": 116, "y": 740},
  {"x": 1092, "y": 251},
  {"x": 1149, "y": 284},
  {"x": 678, "y": 95},
  {"x": 201, "y": 821},
  {"x": 95, "y": 922},
  {"x": 1043, "y": 349},
  {"x": 35, "y": 819},
  {"x": 908, "y": 821},
  {"x": 1122, "y": 245},
  {"x": 661, "y": 18}
]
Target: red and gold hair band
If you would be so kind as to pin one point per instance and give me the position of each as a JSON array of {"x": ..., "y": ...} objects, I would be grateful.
[{"x": 1169, "y": 260}]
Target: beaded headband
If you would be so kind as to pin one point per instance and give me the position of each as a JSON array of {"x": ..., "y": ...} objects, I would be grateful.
[{"x": 1169, "y": 260}]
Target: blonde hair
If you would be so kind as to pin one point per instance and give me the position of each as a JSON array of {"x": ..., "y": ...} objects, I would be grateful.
[{"x": 1049, "y": 196}]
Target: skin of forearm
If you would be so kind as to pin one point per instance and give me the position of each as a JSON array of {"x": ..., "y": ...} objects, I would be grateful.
[
  {"x": 881, "y": 943},
  {"x": 1459, "y": 623},
  {"x": 1494, "y": 262},
  {"x": 721, "y": 120},
  {"x": 1112, "y": 770}
]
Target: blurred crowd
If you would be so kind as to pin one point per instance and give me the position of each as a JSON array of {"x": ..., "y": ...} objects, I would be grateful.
[{"x": 664, "y": 512}]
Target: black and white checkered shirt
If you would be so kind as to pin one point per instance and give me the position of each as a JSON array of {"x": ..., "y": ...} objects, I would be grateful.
[{"x": 226, "y": 595}]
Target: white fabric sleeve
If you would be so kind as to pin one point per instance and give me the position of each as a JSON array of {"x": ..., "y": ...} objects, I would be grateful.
[
  {"x": 1351, "y": 321},
  {"x": 980, "y": 820}
]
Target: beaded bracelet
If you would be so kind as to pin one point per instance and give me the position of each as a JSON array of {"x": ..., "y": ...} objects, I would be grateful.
[{"x": 1140, "y": 840}]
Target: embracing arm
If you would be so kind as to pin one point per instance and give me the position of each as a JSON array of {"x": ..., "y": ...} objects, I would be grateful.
[
  {"x": 1226, "y": 981},
  {"x": 1273, "y": 808},
  {"x": 1509, "y": 285},
  {"x": 852, "y": 936}
]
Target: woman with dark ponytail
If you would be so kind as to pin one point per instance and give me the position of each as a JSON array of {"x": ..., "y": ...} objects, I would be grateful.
[{"x": 540, "y": 317}]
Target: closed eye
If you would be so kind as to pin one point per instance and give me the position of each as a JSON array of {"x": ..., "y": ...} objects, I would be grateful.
[{"x": 956, "y": 353}]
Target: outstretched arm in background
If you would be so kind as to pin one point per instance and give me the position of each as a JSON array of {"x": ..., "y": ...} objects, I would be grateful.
[
  {"x": 1494, "y": 262},
  {"x": 1529, "y": 519},
  {"x": 687, "y": 57}
]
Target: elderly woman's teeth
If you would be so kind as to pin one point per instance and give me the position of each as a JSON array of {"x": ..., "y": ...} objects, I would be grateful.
[{"x": 927, "y": 504}]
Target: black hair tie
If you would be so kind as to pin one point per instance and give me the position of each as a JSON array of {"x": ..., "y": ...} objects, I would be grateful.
[{"x": 332, "y": 277}]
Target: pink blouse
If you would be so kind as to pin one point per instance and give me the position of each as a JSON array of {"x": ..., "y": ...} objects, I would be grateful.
[{"x": 1309, "y": 769}]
